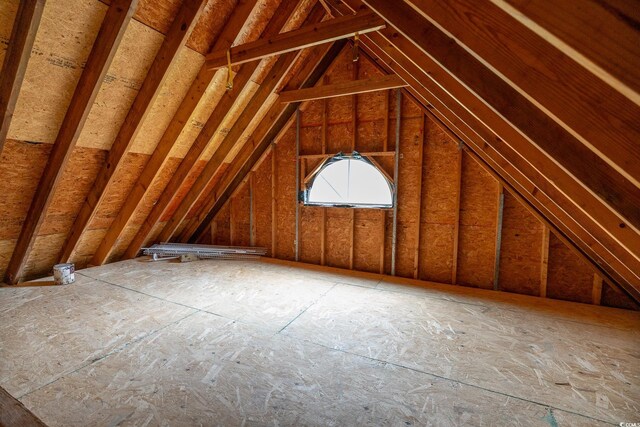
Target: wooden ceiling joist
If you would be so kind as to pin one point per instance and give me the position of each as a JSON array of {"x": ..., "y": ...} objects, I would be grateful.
[
  {"x": 14, "y": 66},
  {"x": 561, "y": 210},
  {"x": 525, "y": 115},
  {"x": 284, "y": 11},
  {"x": 273, "y": 80},
  {"x": 612, "y": 55},
  {"x": 176, "y": 37},
  {"x": 104, "y": 48},
  {"x": 605, "y": 120},
  {"x": 555, "y": 143},
  {"x": 421, "y": 72},
  {"x": 351, "y": 87},
  {"x": 158, "y": 160},
  {"x": 277, "y": 119},
  {"x": 307, "y": 36}
]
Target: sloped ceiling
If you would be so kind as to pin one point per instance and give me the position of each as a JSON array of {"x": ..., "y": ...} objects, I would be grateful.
[{"x": 546, "y": 96}]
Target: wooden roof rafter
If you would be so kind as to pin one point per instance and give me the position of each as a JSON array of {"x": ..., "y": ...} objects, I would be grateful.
[
  {"x": 232, "y": 29},
  {"x": 350, "y": 87},
  {"x": 104, "y": 48},
  {"x": 14, "y": 66},
  {"x": 175, "y": 39},
  {"x": 306, "y": 36},
  {"x": 276, "y": 76},
  {"x": 282, "y": 15},
  {"x": 275, "y": 121}
]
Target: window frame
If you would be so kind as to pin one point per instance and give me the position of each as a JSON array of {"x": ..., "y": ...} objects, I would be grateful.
[{"x": 308, "y": 184}]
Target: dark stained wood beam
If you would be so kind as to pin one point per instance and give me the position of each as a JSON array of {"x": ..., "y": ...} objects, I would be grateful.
[
  {"x": 180, "y": 119},
  {"x": 351, "y": 87},
  {"x": 14, "y": 66},
  {"x": 282, "y": 14},
  {"x": 176, "y": 37},
  {"x": 603, "y": 33},
  {"x": 280, "y": 117},
  {"x": 104, "y": 48},
  {"x": 308, "y": 36}
]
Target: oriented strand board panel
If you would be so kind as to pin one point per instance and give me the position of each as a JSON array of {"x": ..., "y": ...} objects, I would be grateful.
[
  {"x": 239, "y": 220},
  {"x": 368, "y": 239},
  {"x": 478, "y": 214},
  {"x": 569, "y": 277},
  {"x": 285, "y": 195},
  {"x": 262, "y": 202},
  {"x": 520, "y": 252},
  {"x": 310, "y": 234},
  {"x": 439, "y": 187},
  {"x": 613, "y": 298}
]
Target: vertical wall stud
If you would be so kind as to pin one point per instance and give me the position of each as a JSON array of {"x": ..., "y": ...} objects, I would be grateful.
[
  {"x": 354, "y": 142},
  {"x": 383, "y": 213},
  {"x": 252, "y": 211},
  {"x": 544, "y": 261},
  {"x": 274, "y": 212},
  {"x": 496, "y": 267},
  {"x": 297, "y": 237},
  {"x": 596, "y": 296},
  {"x": 416, "y": 259},
  {"x": 456, "y": 224},
  {"x": 394, "y": 235},
  {"x": 323, "y": 224}
]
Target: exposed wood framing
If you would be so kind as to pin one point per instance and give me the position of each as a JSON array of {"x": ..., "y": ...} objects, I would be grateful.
[
  {"x": 383, "y": 213},
  {"x": 396, "y": 181},
  {"x": 274, "y": 205},
  {"x": 499, "y": 210},
  {"x": 418, "y": 192},
  {"x": 605, "y": 32},
  {"x": 197, "y": 90},
  {"x": 273, "y": 80},
  {"x": 544, "y": 261},
  {"x": 343, "y": 89},
  {"x": 325, "y": 136},
  {"x": 596, "y": 294},
  {"x": 107, "y": 41},
  {"x": 307, "y": 36},
  {"x": 456, "y": 221},
  {"x": 275, "y": 121},
  {"x": 393, "y": 49},
  {"x": 252, "y": 211},
  {"x": 605, "y": 120},
  {"x": 17, "y": 56},
  {"x": 166, "y": 56},
  {"x": 296, "y": 240},
  {"x": 354, "y": 144},
  {"x": 618, "y": 194}
]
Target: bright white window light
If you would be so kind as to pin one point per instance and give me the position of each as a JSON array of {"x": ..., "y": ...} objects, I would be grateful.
[{"x": 349, "y": 181}]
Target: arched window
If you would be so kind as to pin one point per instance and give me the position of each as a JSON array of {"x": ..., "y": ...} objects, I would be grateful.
[{"x": 349, "y": 181}]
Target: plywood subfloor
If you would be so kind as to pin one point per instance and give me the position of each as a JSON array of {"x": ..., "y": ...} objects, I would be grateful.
[{"x": 264, "y": 343}]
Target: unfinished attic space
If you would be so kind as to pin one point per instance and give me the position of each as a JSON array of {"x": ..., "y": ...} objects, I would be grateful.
[{"x": 319, "y": 213}]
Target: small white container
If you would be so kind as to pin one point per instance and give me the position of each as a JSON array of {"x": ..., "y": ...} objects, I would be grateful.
[{"x": 63, "y": 274}]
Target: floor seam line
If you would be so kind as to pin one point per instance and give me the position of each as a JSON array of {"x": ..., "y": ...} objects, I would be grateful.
[
  {"x": 119, "y": 349},
  {"x": 306, "y": 308},
  {"x": 449, "y": 379}
]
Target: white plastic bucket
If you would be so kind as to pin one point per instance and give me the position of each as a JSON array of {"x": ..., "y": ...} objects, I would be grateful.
[{"x": 63, "y": 274}]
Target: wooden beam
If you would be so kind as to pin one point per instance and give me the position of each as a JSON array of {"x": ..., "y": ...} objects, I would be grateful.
[
  {"x": 269, "y": 129},
  {"x": 544, "y": 261},
  {"x": 308, "y": 36},
  {"x": 274, "y": 193},
  {"x": 354, "y": 143},
  {"x": 418, "y": 192},
  {"x": 236, "y": 22},
  {"x": 605, "y": 120},
  {"x": 252, "y": 210},
  {"x": 547, "y": 189},
  {"x": 276, "y": 120},
  {"x": 278, "y": 72},
  {"x": 600, "y": 35},
  {"x": 548, "y": 145},
  {"x": 16, "y": 57},
  {"x": 499, "y": 216},
  {"x": 565, "y": 226},
  {"x": 273, "y": 80},
  {"x": 343, "y": 89},
  {"x": 456, "y": 221},
  {"x": 325, "y": 137},
  {"x": 596, "y": 294},
  {"x": 104, "y": 48},
  {"x": 175, "y": 39},
  {"x": 383, "y": 213}
]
